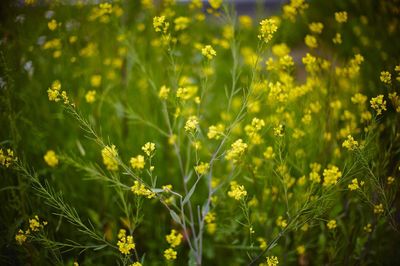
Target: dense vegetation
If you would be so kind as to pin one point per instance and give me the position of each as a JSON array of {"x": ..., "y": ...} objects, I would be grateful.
[{"x": 157, "y": 133}]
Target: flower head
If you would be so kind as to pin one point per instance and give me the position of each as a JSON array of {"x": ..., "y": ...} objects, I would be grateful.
[
  {"x": 237, "y": 192},
  {"x": 237, "y": 150},
  {"x": 341, "y": 17},
  {"x": 110, "y": 155},
  {"x": 125, "y": 243},
  {"x": 174, "y": 238},
  {"x": 267, "y": 29},
  {"x": 331, "y": 175},
  {"x": 170, "y": 254},
  {"x": 378, "y": 103},
  {"x": 209, "y": 52},
  {"x": 191, "y": 124},
  {"x": 350, "y": 143},
  {"x": 137, "y": 162},
  {"x": 149, "y": 148},
  {"x": 51, "y": 158},
  {"x": 331, "y": 224}
]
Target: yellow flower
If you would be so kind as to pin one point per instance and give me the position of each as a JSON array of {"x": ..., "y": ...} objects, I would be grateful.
[
  {"x": 149, "y": 148},
  {"x": 170, "y": 254},
  {"x": 390, "y": 180},
  {"x": 262, "y": 243},
  {"x": 181, "y": 23},
  {"x": 215, "y": 132},
  {"x": 316, "y": 27},
  {"x": 52, "y": 25},
  {"x": 341, "y": 17},
  {"x": 354, "y": 184},
  {"x": 368, "y": 228},
  {"x": 237, "y": 192},
  {"x": 191, "y": 124},
  {"x": 350, "y": 143},
  {"x": 174, "y": 238},
  {"x": 301, "y": 250},
  {"x": 51, "y": 158},
  {"x": 378, "y": 208},
  {"x": 160, "y": 24},
  {"x": 272, "y": 261},
  {"x": 35, "y": 225},
  {"x": 136, "y": 264},
  {"x": 137, "y": 162},
  {"x": 90, "y": 96},
  {"x": 95, "y": 80},
  {"x": 359, "y": 98},
  {"x": 237, "y": 150},
  {"x": 311, "y": 41},
  {"x": 269, "y": 153},
  {"x": 331, "y": 175},
  {"x": 281, "y": 222},
  {"x": 378, "y": 103},
  {"x": 278, "y": 131},
  {"x": 7, "y": 157},
  {"x": 163, "y": 93},
  {"x": 209, "y": 52},
  {"x": 215, "y": 3},
  {"x": 20, "y": 237},
  {"x": 331, "y": 224},
  {"x": 267, "y": 29},
  {"x": 110, "y": 155},
  {"x": 125, "y": 243},
  {"x": 337, "y": 39},
  {"x": 141, "y": 190},
  {"x": 386, "y": 77},
  {"x": 245, "y": 21},
  {"x": 202, "y": 168}
]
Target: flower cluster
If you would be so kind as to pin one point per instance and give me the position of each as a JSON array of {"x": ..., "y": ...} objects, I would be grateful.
[
  {"x": 386, "y": 77},
  {"x": 216, "y": 131},
  {"x": 350, "y": 143},
  {"x": 138, "y": 162},
  {"x": 331, "y": 175},
  {"x": 267, "y": 29},
  {"x": 51, "y": 158},
  {"x": 125, "y": 243},
  {"x": 237, "y": 150},
  {"x": 56, "y": 94},
  {"x": 35, "y": 225},
  {"x": 341, "y": 17},
  {"x": 378, "y": 208},
  {"x": 314, "y": 175},
  {"x": 331, "y": 224},
  {"x": 191, "y": 124},
  {"x": 237, "y": 191},
  {"x": 295, "y": 7},
  {"x": 210, "y": 222},
  {"x": 149, "y": 148},
  {"x": 253, "y": 129},
  {"x": 208, "y": 52},
  {"x": 174, "y": 239},
  {"x": 163, "y": 92},
  {"x": 378, "y": 103},
  {"x": 160, "y": 24},
  {"x": 110, "y": 155},
  {"x": 7, "y": 157},
  {"x": 202, "y": 168},
  {"x": 141, "y": 190},
  {"x": 272, "y": 261},
  {"x": 355, "y": 184}
]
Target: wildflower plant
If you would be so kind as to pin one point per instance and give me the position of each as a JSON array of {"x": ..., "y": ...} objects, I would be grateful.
[{"x": 161, "y": 133}]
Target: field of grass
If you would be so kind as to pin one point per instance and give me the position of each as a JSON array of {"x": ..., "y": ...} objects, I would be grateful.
[{"x": 161, "y": 133}]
